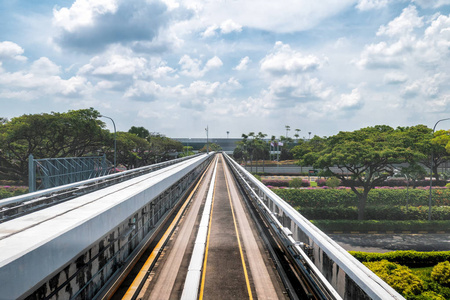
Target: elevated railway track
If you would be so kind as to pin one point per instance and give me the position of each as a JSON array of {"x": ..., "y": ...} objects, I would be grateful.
[{"x": 199, "y": 228}]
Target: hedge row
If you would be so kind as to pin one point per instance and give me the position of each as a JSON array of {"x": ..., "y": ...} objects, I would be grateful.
[
  {"x": 11, "y": 191},
  {"x": 330, "y": 226},
  {"x": 376, "y": 213},
  {"x": 346, "y": 197},
  {"x": 412, "y": 259},
  {"x": 387, "y": 183}
]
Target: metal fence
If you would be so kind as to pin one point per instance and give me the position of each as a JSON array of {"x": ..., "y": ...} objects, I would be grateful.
[{"x": 51, "y": 172}]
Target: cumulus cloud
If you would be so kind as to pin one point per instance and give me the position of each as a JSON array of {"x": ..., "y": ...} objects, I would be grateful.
[
  {"x": 226, "y": 27},
  {"x": 192, "y": 67},
  {"x": 288, "y": 73},
  {"x": 243, "y": 64},
  {"x": 42, "y": 79},
  {"x": 371, "y": 4},
  {"x": 285, "y": 60},
  {"x": 403, "y": 24},
  {"x": 230, "y": 26},
  {"x": 10, "y": 50},
  {"x": 432, "y": 3},
  {"x": 402, "y": 42},
  {"x": 92, "y": 25},
  {"x": 350, "y": 101}
]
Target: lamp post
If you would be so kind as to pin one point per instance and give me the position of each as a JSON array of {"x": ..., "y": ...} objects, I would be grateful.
[
  {"x": 431, "y": 172},
  {"x": 207, "y": 142},
  {"x": 228, "y": 134},
  {"x": 115, "y": 142}
]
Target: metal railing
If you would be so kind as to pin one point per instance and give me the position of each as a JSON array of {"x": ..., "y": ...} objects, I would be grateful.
[{"x": 350, "y": 278}]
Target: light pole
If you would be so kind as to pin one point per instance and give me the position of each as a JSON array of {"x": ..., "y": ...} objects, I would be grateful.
[
  {"x": 207, "y": 142},
  {"x": 115, "y": 142},
  {"x": 228, "y": 134},
  {"x": 431, "y": 171}
]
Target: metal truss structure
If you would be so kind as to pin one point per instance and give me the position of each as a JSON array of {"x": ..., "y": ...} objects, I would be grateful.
[{"x": 51, "y": 172}]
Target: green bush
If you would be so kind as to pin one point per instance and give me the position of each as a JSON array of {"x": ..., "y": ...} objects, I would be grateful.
[
  {"x": 346, "y": 197},
  {"x": 393, "y": 212},
  {"x": 333, "y": 182},
  {"x": 384, "y": 225},
  {"x": 295, "y": 183},
  {"x": 11, "y": 191},
  {"x": 441, "y": 273},
  {"x": 399, "y": 277},
  {"x": 412, "y": 259}
]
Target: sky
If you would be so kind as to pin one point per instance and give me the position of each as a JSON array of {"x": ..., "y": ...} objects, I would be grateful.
[{"x": 179, "y": 66}]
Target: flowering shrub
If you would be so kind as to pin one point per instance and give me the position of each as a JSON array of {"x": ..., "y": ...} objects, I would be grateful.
[
  {"x": 441, "y": 273},
  {"x": 7, "y": 191},
  {"x": 321, "y": 182},
  {"x": 277, "y": 183},
  {"x": 399, "y": 277}
]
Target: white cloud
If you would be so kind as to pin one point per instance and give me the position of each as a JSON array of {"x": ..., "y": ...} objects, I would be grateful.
[
  {"x": 192, "y": 67},
  {"x": 285, "y": 60},
  {"x": 243, "y": 64},
  {"x": 371, "y": 4},
  {"x": 276, "y": 16},
  {"x": 403, "y": 24},
  {"x": 210, "y": 31},
  {"x": 82, "y": 13},
  {"x": 44, "y": 66},
  {"x": 395, "y": 78},
  {"x": 350, "y": 101},
  {"x": 10, "y": 50},
  {"x": 91, "y": 26},
  {"x": 229, "y": 26},
  {"x": 432, "y": 3}
]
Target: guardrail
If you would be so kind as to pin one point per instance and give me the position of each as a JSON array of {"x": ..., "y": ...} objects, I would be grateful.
[
  {"x": 19, "y": 205},
  {"x": 346, "y": 275}
]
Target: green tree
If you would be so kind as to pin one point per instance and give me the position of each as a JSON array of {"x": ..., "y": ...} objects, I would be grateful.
[
  {"x": 141, "y": 132},
  {"x": 132, "y": 151},
  {"x": 74, "y": 133},
  {"x": 362, "y": 158},
  {"x": 211, "y": 147}
]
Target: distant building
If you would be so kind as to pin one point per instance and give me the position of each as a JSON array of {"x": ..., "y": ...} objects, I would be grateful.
[{"x": 228, "y": 144}]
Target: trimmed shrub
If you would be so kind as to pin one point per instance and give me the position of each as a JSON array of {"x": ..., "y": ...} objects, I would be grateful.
[
  {"x": 296, "y": 183},
  {"x": 441, "y": 273},
  {"x": 412, "y": 259},
  {"x": 277, "y": 183},
  {"x": 333, "y": 182},
  {"x": 346, "y": 197},
  {"x": 305, "y": 183},
  {"x": 321, "y": 182},
  {"x": 399, "y": 277},
  {"x": 385, "y": 225}
]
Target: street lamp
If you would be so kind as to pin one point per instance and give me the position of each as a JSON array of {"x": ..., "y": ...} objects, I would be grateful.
[
  {"x": 228, "y": 133},
  {"x": 207, "y": 142},
  {"x": 431, "y": 171},
  {"x": 115, "y": 142}
]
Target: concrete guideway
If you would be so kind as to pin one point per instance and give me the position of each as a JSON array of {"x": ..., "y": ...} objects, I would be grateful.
[{"x": 234, "y": 264}]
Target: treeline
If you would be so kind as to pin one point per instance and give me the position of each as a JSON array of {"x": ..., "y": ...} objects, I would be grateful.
[
  {"x": 361, "y": 159},
  {"x": 73, "y": 134}
]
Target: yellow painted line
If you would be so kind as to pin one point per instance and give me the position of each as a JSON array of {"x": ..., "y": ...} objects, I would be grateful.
[
  {"x": 142, "y": 273},
  {"x": 205, "y": 260},
  {"x": 239, "y": 242}
]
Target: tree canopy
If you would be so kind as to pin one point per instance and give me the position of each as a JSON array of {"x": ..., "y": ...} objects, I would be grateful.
[
  {"x": 72, "y": 134},
  {"x": 365, "y": 157}
]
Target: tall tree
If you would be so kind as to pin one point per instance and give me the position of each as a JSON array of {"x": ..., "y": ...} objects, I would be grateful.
[
  {"x": 75, "y": 133},
  {"x": 362, "y": 158}
]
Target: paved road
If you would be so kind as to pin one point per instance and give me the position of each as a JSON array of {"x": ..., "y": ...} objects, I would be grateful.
[{"x": 390, "y": 242}]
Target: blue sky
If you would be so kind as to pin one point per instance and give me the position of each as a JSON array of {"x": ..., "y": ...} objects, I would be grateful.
[{"x": 177, "y": 66}]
